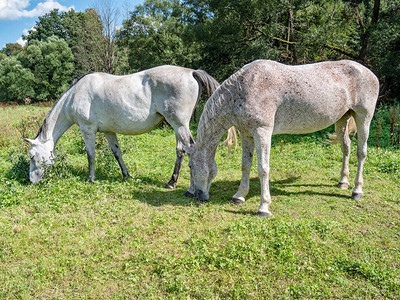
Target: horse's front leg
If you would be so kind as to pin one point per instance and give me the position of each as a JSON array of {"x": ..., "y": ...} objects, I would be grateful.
[
  {"x": 183, "y": 137},
  {"x": 89, "y": 136},
  {"x": 262, "y": 139},
  {"x": 247, "y": 161},
  {"x": 180, "y": 155},
  {"x": 113, "y": 142}
]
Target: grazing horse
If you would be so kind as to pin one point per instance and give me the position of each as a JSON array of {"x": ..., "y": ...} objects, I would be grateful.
[
  {"x": 265, "y": 98},
  {"x": 130, "y": 104}
]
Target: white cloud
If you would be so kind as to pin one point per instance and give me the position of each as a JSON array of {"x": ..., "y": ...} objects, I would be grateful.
[
  {"x": 15, "y": 9},
  {"x": 21, "y": 41}
]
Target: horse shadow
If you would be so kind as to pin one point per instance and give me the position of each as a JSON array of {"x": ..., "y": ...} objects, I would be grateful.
[
  {"x": 277, "y": 187},
  {"x": 222, "y": 191}
]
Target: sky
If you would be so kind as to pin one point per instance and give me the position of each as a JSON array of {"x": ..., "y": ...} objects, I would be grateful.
[{"x": 19, "y": 16}]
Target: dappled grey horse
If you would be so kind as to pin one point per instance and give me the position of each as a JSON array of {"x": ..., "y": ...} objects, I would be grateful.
[
  {"x": 130, "y": 104},
  {"x": 266, "y": 98}
]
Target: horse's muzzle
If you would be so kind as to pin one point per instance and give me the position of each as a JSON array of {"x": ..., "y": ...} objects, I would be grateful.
[{"x": 201, "y": 196}]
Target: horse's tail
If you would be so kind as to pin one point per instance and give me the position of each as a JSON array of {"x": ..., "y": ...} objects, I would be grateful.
[
  {"x": 231, "y": 139},
  {"x": 351, "y": 127},
  {"x": 206, "y": 80}
]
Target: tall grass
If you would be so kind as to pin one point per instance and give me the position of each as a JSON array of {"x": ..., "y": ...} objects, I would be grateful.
[{"x": 68, "y": 238}]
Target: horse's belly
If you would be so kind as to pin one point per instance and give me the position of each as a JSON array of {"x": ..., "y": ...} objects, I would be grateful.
[
  {"x": 305, "y": 121},
  {"x": 299, "y": 128},
  {"x": 130, "y": 126}
]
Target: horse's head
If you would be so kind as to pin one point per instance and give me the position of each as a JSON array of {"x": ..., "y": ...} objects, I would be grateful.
[
  {"x": 203, "y": 170},
  {"x": 41, "y": 155}
]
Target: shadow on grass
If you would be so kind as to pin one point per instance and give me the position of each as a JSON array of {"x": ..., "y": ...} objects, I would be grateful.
[
  {"x": 222, "y": 191},
  {"x": 151, "y": 191},
  {"x": 276, "y": 188}
]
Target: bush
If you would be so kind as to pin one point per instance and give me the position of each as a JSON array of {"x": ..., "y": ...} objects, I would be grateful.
[
  {"x": 16, "y": 82},
  {"x": 51, "y": 62}
]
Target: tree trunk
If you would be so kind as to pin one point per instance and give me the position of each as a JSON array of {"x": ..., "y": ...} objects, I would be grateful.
[{"x": 366, "y": 29}]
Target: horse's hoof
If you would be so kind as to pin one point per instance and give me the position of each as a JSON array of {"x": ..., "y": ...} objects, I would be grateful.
[
  {"x": 188, "y": 194},
  {"x": 126, "y": 177},
  {"x": 170, "y": 186},
  {"x": 264, "y": 214},
  {"x": 356, "y": 196},
  {"x": 343, "y": 185},
  {"x": 237, "y": 201}
]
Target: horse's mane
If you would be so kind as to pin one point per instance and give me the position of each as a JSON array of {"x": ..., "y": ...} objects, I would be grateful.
[
  {"x": 44, "y": 127},
  {"x": 219, "y": 103}
]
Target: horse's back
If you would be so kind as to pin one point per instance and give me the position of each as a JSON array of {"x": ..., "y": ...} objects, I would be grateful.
[
  {"x": 305, "y": 98},
  {"x": 132, "y": 104}
]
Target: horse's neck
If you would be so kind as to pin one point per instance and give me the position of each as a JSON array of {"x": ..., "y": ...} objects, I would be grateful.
[
  {"x": 55, "y": 123},
  {"x": 211, "y": 128}
]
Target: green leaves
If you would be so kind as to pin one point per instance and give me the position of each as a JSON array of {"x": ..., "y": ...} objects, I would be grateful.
[
  {"x": 154, "y": 35},
  {"x": 51, "y": 62},
  {"x": 16, "y": 82}
]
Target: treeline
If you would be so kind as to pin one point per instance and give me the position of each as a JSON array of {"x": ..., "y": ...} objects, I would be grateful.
[{"x": 219, "y": 36}]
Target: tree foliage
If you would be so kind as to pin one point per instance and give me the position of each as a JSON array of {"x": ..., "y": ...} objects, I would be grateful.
[
  {"x": 220, "y": 36},
  {"x": 16, "y": 82},
  {"x": 154, "y": 35},
  {"x": 51, "y": 62},
  {"x": 79, "y": 29},
  {"x": 12, "y": 49}
]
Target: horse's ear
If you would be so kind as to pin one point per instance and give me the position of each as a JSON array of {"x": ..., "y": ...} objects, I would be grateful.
[
  {"x": 29, "y": 141},
  {"x": 189, "y": 149}
]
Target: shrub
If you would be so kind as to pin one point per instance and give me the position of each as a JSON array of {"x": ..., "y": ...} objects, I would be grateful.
[
  {"x": 16, "y": 82},
  {"x": 51, "y": 62}
]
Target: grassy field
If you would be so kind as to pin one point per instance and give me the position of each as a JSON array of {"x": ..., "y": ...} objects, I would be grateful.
[{"x": 68, "y": 238}]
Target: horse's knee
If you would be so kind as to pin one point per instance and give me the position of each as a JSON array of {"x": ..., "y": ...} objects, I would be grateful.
[
  {"x": 180, "y": 154},
  {"x": 362, "y": 153},
  {"x": 263, "y": 172},
  {"x": 346, "y": 149}
]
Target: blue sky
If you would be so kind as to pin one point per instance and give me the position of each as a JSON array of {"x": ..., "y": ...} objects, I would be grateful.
[{"x": 19, "y": 16}]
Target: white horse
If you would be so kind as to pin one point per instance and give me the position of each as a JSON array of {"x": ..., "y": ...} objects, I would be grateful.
[
  {"x": 266, "y": 98},
  {"x": 131, "y": 104}
]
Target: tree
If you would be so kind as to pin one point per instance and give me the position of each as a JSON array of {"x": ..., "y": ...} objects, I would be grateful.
[
  {"x": 78, "y": 30},
  {"x": 51, "y": 62},
  {"x": 86, "y": 53},
  {"x": 16, "y": 82},
  {"x": 106, "y": 49},
  {"x": 51, "y": 24},
  {"x": 233, "y": 33},
  {"x": 155, "y": 35},
  {"x": 12, "y": 49},
  {"x": 383, "y": 51}
]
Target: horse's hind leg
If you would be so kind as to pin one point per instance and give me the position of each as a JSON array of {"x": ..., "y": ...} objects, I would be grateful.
[
  {"x": 113, "y": 142},
  {"x": 342, "y": 133},
  {"x": 247, "y": 161},
  {"x": 363, "y": 121}
]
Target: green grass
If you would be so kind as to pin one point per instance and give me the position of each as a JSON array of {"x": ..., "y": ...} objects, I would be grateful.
[{"x": 67, "y": 238}]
